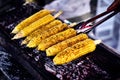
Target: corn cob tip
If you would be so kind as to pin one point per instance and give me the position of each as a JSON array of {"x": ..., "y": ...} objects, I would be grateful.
[
  {"x": 39, "y": 48},
  {"x": 72, "y": 24},
  {"x": 53, "y": 10},
  {"x": 48, "y": 52},
  {"x": 57, "y": 61},
  {"x": 14, "y": 31},
  {"x": 58, "y": 14},
  {"x": 17, "y": 36},
  {"x": 13, "y": 38},
  {"x": 30, "y": 45},
  {"x": 24, "y": 42},
  {"x": 97, "y": 41},
  {"x": 27, "y": 2}
]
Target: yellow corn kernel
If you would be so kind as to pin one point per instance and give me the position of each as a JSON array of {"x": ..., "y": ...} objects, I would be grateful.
[
  {"x": 53, "y": 50},
  {"x": 74, "y": 52},
  {"x": 30, "y": 20},
  {"x": 44, "y": 44},
  {"x": 36, "y": 40},
  {"x": 40, "y": 30},
  {"x": 35, "y": 25}
]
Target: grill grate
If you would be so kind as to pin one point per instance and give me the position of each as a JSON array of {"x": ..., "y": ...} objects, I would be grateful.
[{"x": 42, "y": 67}]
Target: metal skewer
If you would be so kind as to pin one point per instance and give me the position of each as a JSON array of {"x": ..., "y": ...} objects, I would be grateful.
[{"x": 84, "y": 29}]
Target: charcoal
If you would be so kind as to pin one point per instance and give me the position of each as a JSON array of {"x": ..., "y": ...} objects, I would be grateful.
[
  {"x": 73, "y": 71},
  {"x": 12, "y": 69}
]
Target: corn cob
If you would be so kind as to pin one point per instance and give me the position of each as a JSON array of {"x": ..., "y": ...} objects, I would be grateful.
[
  {"x": 53, "y": 50},
  {"x": 30, "y": 20},
  {"x": 35, "y": 25},
  {"x": 36, "y": 40},
  {"x": 75, "y": 51},
  {"x": 40, "y": 30},
  {"x": 44, "y": 44}
]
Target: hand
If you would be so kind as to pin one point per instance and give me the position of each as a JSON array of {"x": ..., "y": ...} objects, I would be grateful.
[{"x": 115, "y": 5}]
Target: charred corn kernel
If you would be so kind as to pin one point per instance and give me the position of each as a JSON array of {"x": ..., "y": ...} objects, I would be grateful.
[
  {"x": 36, "y": 40},
  {"x": 35, "y": 25},
  {"x": 44, "y": 44},
  {"x": 30, "y": 20},
  {"x": 74, "y": 52},
  {"x": 40, "y": 30},
  {"x": 53, "y": 50}
]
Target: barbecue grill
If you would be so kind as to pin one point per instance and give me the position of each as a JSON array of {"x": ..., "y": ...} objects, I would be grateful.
[{"x": 102, "y": 64}]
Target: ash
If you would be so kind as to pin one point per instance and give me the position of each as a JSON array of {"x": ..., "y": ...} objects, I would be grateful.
[{"x": 80, "y": 69}]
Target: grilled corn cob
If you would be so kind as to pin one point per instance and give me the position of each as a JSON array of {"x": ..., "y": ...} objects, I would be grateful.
[
  {"x": 36, "y": 40},
  {"x": 75, "y": 51},
  {"x": 35, "y": 25},
  {"x": 53, "y": 50},
  {"x": 44, "y": 44},
  {"x": 30, "y": 20},
  {"x": 40, "y": 30}
]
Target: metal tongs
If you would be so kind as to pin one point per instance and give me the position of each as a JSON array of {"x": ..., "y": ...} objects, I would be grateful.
[{"x": 85, "y": 28}]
